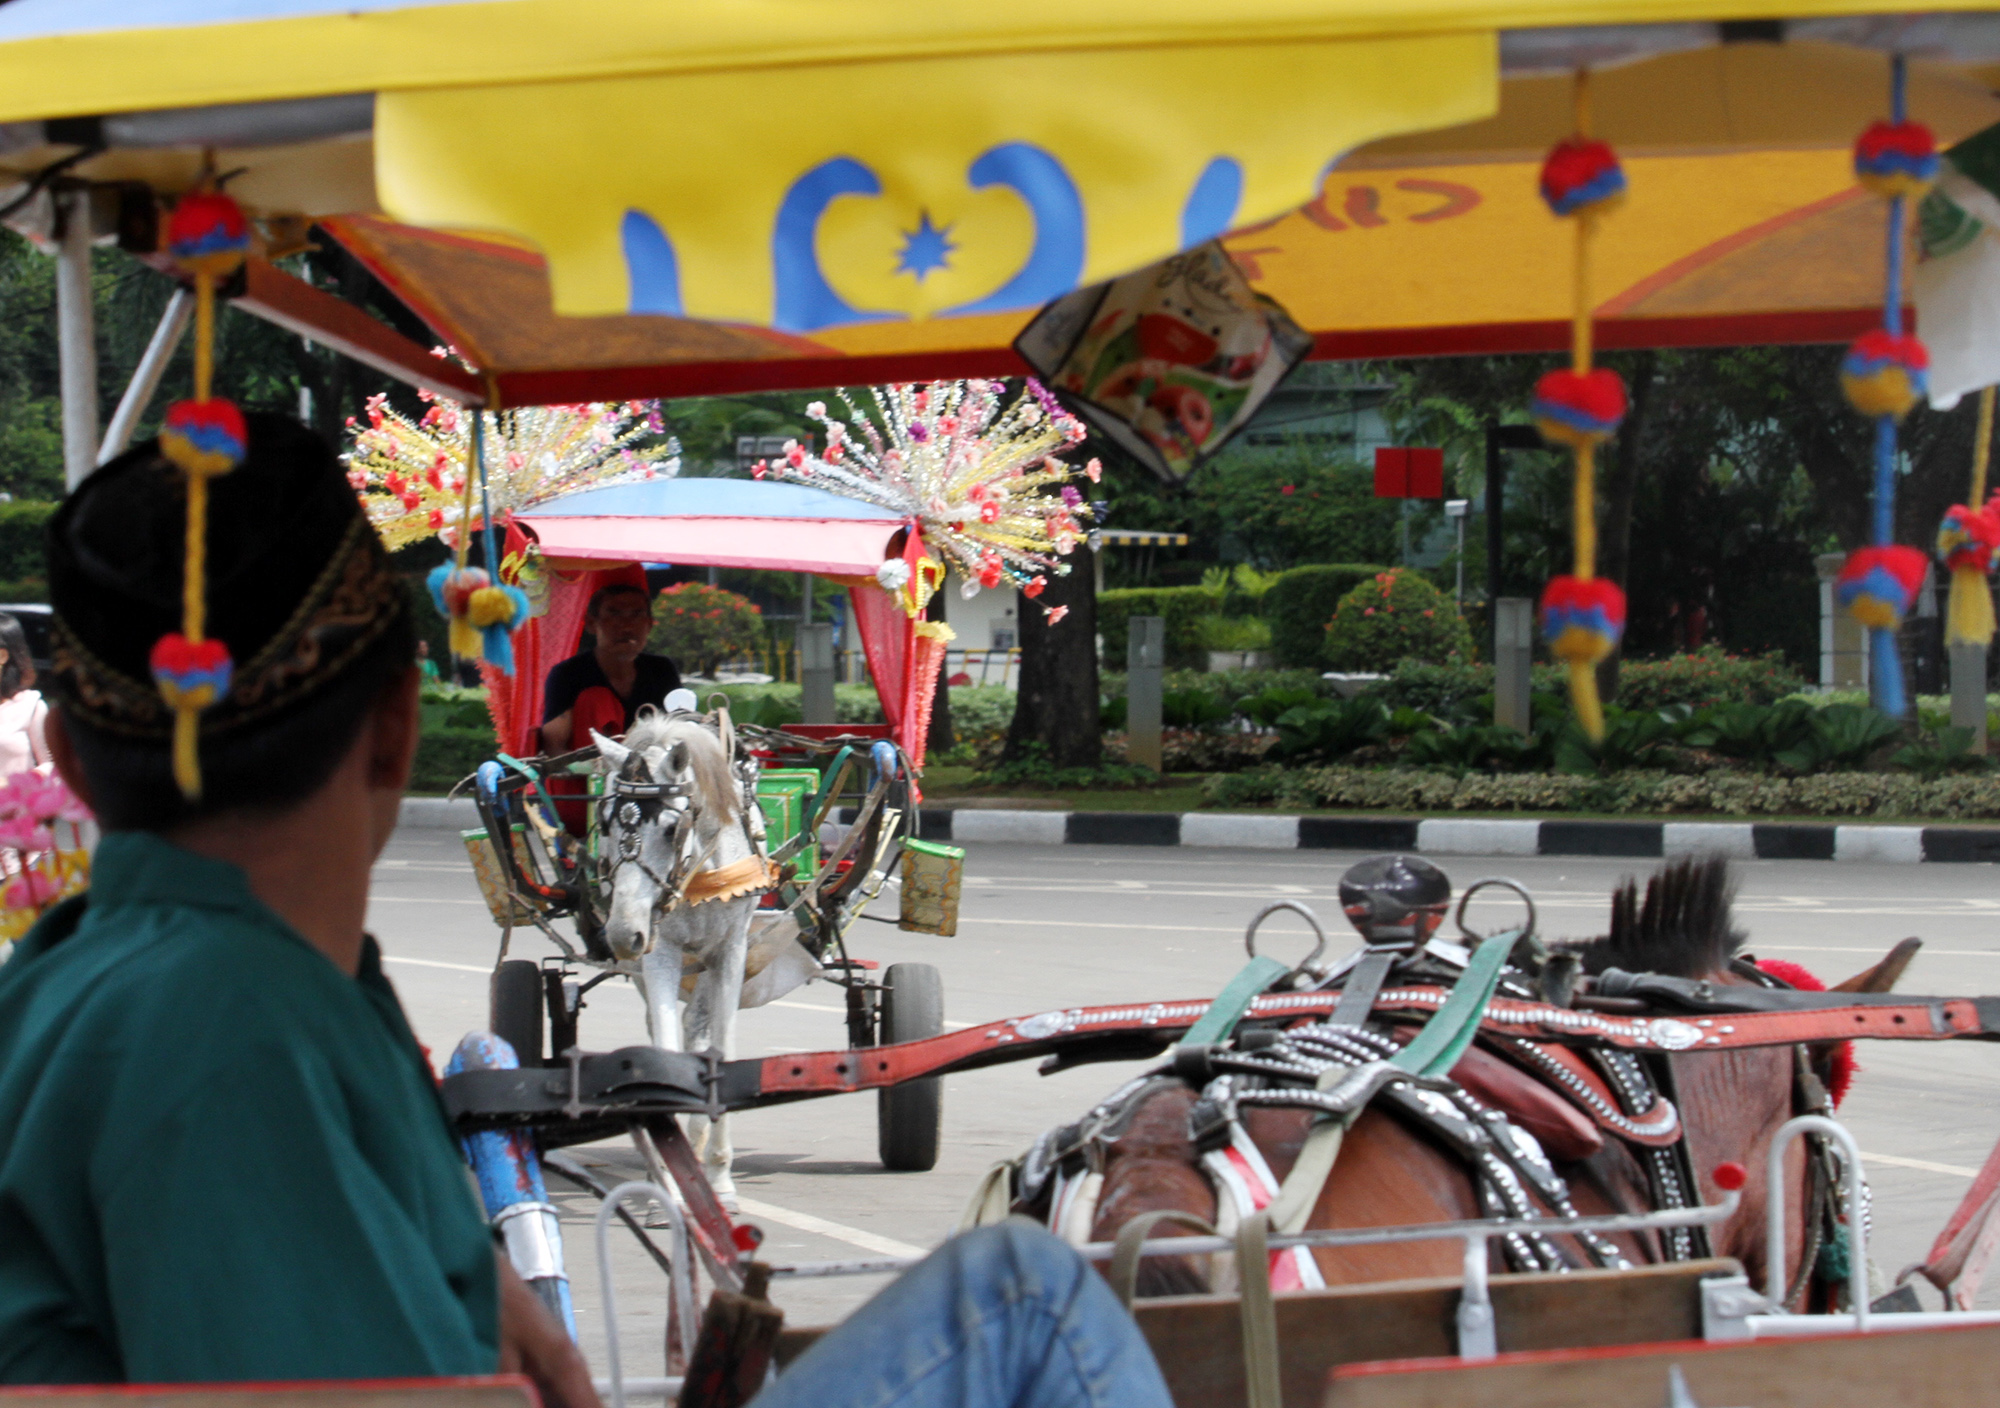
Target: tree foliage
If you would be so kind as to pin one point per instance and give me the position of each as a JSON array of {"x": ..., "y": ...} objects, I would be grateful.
[{"x": 699, "y": 626}]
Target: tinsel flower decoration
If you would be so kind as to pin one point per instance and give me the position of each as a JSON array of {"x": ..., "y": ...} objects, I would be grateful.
[
  {"x": 410, "y": 474},
  {"x": 1885, "y": 373},
  {"x": 980, "y": 481},
  {"x": 1896, "y": 159}
]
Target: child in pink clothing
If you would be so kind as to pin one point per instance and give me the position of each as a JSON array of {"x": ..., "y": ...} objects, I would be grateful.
[{"x": 22, "y": 711}]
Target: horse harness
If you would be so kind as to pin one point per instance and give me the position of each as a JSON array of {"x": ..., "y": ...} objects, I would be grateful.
[
  {"x": 635, "y": 800},
  {"x": 1505, "y": 1107}
]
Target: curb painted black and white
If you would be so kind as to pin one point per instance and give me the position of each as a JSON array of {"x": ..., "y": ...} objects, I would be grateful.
[{"x": 1462, "y": 836}]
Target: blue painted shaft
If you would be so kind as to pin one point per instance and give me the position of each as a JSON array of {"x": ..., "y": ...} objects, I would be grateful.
[
  {"x": 509, "y": 1172},
  {"x": 1885, "y": 674},
  {"x": 1885, "y": 481}
]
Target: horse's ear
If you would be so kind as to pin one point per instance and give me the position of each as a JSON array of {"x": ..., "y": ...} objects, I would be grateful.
[
  {"x": 1882, "y": 977},
  {"x": 613, "y": 753},
  {"x": 677, "y": 761}
]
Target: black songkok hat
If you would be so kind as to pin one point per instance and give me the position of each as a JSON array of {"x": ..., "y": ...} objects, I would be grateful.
[{"x": 299, "y": 585}]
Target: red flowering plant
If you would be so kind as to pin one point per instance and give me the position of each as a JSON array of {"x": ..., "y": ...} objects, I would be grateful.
[
  {"x": 699, "y": 627},
  {"x": 1395, "y": 616}
]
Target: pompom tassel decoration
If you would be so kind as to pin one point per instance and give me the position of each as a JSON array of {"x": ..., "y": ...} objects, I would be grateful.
[
  {"x": 1580, "y": 174},
  {"x": 205, "y": 437},
  {"x": 1897, "y": 159},
  {"x": 1877, "y": 586},
  {"x": 1582, "y": 621},
  {"x": 482, "y": 616},
  {"x": 1885, "y": 373},
  {"x": 1579, "y": 409},
  {"x": 1967, "y": 541}
]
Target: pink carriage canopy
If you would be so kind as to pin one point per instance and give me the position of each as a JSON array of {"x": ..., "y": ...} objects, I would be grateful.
[{"x": 596, "y": 537}]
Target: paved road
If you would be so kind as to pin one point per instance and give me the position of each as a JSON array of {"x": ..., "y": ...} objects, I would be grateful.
[{"x": 1057, "y": 926}]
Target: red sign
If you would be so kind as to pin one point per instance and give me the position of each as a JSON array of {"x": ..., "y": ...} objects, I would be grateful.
[{"x": 1409, "y": 472}]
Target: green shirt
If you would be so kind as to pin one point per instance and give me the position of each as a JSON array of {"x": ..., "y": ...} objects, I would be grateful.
[{"x": 221, "y": 1158}]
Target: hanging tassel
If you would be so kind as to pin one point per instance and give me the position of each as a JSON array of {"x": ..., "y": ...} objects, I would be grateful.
[
  {"x": 1582, "y": 617},
  {"x": 1968, "y": 542},
  {"x": 206, "y": 437}
]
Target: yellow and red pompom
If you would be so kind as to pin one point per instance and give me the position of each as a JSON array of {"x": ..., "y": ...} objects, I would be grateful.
[
  {"x": 204, "y": 437},
  {"x": 1579, "y": 409},
  {"x": 207, "y": 234},
  {"x": 1582, "y": 621},
  {"x": 1969, "y": 537},
  {"x": 1582, "y": 175},
  {"x": 483, "y": 615},
  {"x": 1885, "y": 373},
  {"x": 1877, "y": 584},
  {"x": 1896, "y": 159},
  {"x": 190, "y": 674}
]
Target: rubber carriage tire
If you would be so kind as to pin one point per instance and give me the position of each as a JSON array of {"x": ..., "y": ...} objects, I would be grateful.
[
  {"x": 516, "y": 1015},
  {"x": 909, "y": 1117}
]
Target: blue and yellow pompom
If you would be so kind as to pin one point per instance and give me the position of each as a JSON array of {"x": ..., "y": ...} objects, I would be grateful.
[
  {"x": 1578, "y": 409},
  {"x": 1878, "y": 584},
  {"x": 1897, "y": 159},
  {"x": 1582, "y": 175},
  {"x": 1885, "y": 373},
  {"x": 483, "y": 615}
]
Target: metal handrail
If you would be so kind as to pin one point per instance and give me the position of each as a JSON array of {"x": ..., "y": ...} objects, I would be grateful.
[
  {"x": 680, "y": 1279},
  {"x": 1774, "y": 1223}
]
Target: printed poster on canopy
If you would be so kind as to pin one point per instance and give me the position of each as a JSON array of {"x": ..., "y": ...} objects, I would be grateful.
[{"x": 1169, "y": 362}]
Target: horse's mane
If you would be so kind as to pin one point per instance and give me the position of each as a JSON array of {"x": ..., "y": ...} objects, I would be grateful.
[
  {"x": 652, "y": 729},
  {"x": 1684, "y": 928}
]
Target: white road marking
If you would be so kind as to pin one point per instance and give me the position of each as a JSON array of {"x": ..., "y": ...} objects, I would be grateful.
[
  {"x": 806, "y": 1222},
  {"x": 1130, "y": 885},
  {"x": 433, "y": 963},
  {"x": 420, "y": 899},
  {"x": 1924, "y": 1164}
]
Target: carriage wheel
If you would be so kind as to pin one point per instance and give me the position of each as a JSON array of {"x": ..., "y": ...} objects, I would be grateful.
[
  {"x": 908, "y": 1116},
  {"x": 516, "y": 1017}
]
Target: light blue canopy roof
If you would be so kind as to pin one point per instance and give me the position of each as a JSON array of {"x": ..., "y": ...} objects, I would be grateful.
[{"x": 707, "y": 498}]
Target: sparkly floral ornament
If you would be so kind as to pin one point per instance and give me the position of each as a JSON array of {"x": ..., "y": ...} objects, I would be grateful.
[
  {"x": 42, "y": 854},
  {"x": 411, "y": 475},
  {"x": 208, "y": 240},
  {"x": 1885, "y": 373},
  {"x": 979, "y": 484},
  {"x": 1897, "y": 159}
]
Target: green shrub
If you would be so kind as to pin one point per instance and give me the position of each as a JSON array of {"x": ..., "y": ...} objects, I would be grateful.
[
  {"x": 1329, "y": 728},
  {"x": 1199, "y": 750},
  {"x": 28, "y": 589},
  {"x": 699, "y": 626},
  {"x": 1179, "y": 606},
  {"x": 1232, "y": 633},
  {"x": 1300, "y": 603},
  {"x": 445, "y": 756},
  {"x": 1706, "y": 677},
  {"x": 1454, "y": 689},
  {"x": 451, "y": 706},
  {"x": 22, "y": 522},
  {"x": 1037, "y": 771},
  {"x": 1394, "y": 616}
]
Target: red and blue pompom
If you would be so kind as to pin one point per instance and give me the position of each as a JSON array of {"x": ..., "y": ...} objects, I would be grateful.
[
  {"x": 1573, "y": 409},
  {"x": 1885, "y": 373},
  {"x": 204, "y": 437},
  {"x": 1582, "y": 621},
  {"x": 1969, "y": 538},
  {"x": 1896, "y": 159},
  {"x": 207, "y": 233},
  {"x": 1582, "y": 175},
  {"x": 191, "y": 674},
  {"x": 1878, "y": 584}
]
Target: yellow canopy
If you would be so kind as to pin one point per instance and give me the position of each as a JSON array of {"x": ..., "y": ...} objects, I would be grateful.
[{"x": 827, "y": 167}]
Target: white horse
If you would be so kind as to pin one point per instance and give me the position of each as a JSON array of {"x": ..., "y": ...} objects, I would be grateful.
[{"x": 686, "y": 860}]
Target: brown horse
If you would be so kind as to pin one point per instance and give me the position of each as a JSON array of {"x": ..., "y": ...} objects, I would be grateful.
[{"x": 1389, "y": 1173}]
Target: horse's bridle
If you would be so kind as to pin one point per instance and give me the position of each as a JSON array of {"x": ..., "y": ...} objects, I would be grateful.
[{"x": 634, "y": 804}]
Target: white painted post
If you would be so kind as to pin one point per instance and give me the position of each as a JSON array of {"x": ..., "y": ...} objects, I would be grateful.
[
  {"x": 146, "y": 376},
  {"x": 1513, "y": 657},
  {"x": 76, "y": 334},
  {"x": 1145, "y": 663}
]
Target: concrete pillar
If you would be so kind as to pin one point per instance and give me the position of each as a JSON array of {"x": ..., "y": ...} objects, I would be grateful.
[
  {"x": 1513, "y": 654},
  {"x": 76, "y": 340},
  {"x": 1843, "y": 641},
  {"x": 816, "y": 673},
  {"x": 1968, "y": 692},
  {"x": 1145, "y": 666}
]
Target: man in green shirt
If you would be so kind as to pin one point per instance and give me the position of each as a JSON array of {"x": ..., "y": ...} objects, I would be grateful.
[{"x": 222, "y": 1156}]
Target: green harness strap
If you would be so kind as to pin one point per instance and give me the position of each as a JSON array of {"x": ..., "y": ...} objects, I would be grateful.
[
  {"x": 1432, "y": 1052},
  {"x": 1234, "y": 1000}
]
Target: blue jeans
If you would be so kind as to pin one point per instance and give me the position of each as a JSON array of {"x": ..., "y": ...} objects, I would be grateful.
[{"x": 1005, "y": 1317}]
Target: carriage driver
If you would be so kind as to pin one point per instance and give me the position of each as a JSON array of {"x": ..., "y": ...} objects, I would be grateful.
[
  {"x": 605, "y": 687},
  {"x": 222, "y": 1156}
]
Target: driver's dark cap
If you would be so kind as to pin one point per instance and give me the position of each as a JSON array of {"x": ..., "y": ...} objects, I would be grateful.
[{"x": 1395, "y": 899}]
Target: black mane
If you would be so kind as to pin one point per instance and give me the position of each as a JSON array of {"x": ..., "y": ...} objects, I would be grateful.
[{"x": 1683, "y": 929}]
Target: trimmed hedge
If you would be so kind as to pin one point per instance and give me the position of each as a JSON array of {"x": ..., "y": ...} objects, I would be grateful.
[
  {"x": 1181, "y": 606},
  {"x": 21, "y": 525},
  {"x": 1636, "y": 790},
  {"x": 446, "y": 755},
  {"x": 1300, "y": 603}
]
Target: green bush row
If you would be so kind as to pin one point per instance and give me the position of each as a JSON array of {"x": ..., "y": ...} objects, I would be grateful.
[
  {"x": 22, "y": 522},
  {"x": 1965, "y": 798},
  {"x": 1297, "y": 604}
]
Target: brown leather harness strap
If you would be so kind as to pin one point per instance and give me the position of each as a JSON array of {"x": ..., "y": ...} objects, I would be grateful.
[{"x": 1135, "y": 1029}]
